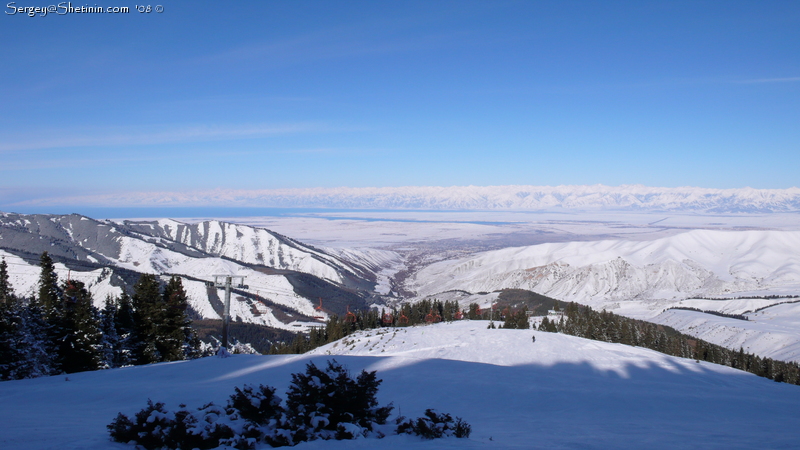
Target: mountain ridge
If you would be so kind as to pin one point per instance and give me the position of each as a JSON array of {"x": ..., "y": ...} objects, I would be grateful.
[
  {"x": 286, "y": 278},
  {"x": 511, "y": 197}
]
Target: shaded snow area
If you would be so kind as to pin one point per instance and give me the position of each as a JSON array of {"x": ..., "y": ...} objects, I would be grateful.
[
  {"x": 559, "y": 392},
  {"x": 773, "y": 332},
  {"x": 604, "y": 273}
]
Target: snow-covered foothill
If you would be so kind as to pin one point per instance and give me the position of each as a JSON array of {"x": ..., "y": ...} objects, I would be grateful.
[
  {"x": 690, "y": 264},
  {"x": 773, "y": 332}
]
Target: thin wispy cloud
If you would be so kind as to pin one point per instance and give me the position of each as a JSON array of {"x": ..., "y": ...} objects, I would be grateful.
[{"x": 179, "y": 134}]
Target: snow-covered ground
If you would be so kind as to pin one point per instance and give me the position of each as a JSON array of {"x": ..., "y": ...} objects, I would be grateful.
[
  {"x": 559, "y": 392},
  {"x": 396, "y": 228},
  {"x": 773, "y": 332},
  {"x": 694, "y": 263}
]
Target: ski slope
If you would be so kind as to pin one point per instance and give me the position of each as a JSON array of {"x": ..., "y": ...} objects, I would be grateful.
[{"x": 559, "y": 392}]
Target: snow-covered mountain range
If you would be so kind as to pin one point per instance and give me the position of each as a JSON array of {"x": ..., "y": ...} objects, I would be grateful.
[
  {"x": 626, "y": 197},
  {"x": 284, "y": 278},
  {"x": 598, "y": 273}
]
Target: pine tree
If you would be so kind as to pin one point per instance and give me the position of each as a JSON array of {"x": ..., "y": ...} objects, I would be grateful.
[
  {"x": 111, "y": 342},
  {"x": 125, "y": 325},
  {"x": 34, "y": 339},
  {"x": 177, "y": 339},
  {"x": 11, "y": 328},
  {"x": 6, "y": 292},
  {"x": 79, "y": 340},
  {"x": 49, "y": 293},
  {"x": 148, "y": 312}
]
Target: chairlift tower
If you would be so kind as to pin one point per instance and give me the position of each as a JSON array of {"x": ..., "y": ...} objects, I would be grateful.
[{"x": 226, "y": 281}]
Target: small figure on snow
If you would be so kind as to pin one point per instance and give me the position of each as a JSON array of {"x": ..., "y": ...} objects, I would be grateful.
[{"x": 534, "y": 338}]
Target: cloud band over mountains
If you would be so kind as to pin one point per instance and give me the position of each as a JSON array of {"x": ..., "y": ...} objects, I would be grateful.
[{"x": 507, "y": 198}]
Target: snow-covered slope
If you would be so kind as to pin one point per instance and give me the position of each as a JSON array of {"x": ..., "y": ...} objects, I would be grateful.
[
  {"x": 695, "y": 263},
  {"x": 280, "y": 272},
  {"x": 249, "y": 245},
  {"x": 24, "y": 276},
  {"x": 559, "y": 392},
  {"x": 627, "y": 197},
  {"x": 773, "y": 332}
]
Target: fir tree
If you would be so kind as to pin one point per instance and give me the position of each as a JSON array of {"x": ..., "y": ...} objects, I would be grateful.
[
  {"x": 49, "y": 293},
  {"x": 176, "y": 339},
  {"x": 11, "y": 328},
  {"x": 38, "y": 354},
  {"x": 6, "y": 292},
  {"x": 148, "y": 312},
  {"x": 125, "y": 325},
  {"x": 79, "y": 341},
  {"x": 111, "y": 344}
]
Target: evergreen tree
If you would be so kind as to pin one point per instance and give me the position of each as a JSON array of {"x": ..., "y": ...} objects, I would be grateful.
[
  {"x": 11, "y": 328},
  {"x": 320, "y": 400},
  {"x": 111, "y": 344},
  {"x": 148, "y": 312},
  {"x": 518, "y": 320},
  {"x": 474, "y": 312},
  {"x": 32, "y": 338},
  {"x": 177, "y": 339},
  {"x": 6, "y": 292},
  {"x": 125, "y": 325},
  {"x": 79, "y": 340},
  {"x": 49, "y": 293}
]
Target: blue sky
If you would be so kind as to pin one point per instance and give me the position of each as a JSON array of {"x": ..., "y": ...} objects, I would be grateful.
[{"x": 288, "y": 94}]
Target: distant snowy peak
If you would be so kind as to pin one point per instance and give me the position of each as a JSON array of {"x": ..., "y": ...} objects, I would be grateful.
[{"x": 626, "y": 197}]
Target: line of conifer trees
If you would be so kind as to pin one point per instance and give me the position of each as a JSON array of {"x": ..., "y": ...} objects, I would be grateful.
[
  {"x": 583, "y": 321},
  {"x": 423, "y": 312},
  {"x": 60, "y": 331}
]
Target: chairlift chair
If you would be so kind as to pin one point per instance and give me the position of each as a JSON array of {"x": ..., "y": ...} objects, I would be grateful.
[
  {"x": 433, "y": 318},
  {"x": 349, "y": 317},
  {"x": 319, "y": 315}
]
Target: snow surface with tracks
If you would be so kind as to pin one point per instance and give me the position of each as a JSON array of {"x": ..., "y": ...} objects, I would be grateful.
[{"x": 558, "y": 392}]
